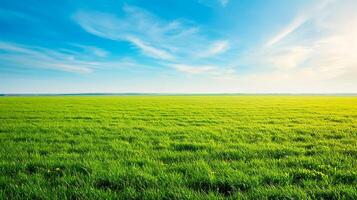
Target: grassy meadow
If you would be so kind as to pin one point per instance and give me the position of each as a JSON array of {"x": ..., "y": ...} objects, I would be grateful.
[{"x": 178, "y": 147}]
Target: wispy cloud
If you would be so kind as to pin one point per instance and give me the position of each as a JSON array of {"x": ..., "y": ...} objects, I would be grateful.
[
  {"x": 193, "y": 69},
  {"x": 214, "y": 3},
  {"x": 176, "y": 44},
  {"x": 139, "y": 27},
  {"x": 319, "y": 53},
  {"x": 216, "y": 48},
  {"x": 6, "y": 14},
  {"x": 223, "y": 2},
  {"x": 26, "y": 56},
  {"x": 92, "y": 50},
  {"x": 154, "y": 37},
  {"x": 295, "y": 24},
  {"x": 150, "y": 50},
  {"x": 298, "y": 21},
  {"x": 287, "y": 58},
  {"x": 14, "y": 54},
  {"x": 213, "y": 72}
]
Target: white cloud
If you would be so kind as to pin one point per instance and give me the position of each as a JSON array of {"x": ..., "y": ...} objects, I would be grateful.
[
  {"x": 299, "y": 21},
  {"x": 41, "y": 58},
  {"x": 99, "y": 52},
  {"x": 13, "y": 54},
  {"x": 149, "y": 50},
  {"x": 138, "y": 27},
  {"x": 91, "y": 50},
  {"x": 288, "y": 58},
  {"x": 155, "y": 37},
  {"x": 190, "y": 69},
  {"x": 216, "y": 48},
  {"x": 295, "y": 24},
  {"x": 223, "y": 2},
  {"x": 214, "y": 3},
  {"x": 96, "y": 51},
  {"x": 313, "y": 54},
  {"x": 214, "y": 73}
]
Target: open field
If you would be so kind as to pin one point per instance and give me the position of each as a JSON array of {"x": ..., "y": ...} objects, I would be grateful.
[{"x": 178, "y": 147}]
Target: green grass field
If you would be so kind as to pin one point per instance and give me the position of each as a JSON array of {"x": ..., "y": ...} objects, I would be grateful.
[{"x": 178, "y": 147}]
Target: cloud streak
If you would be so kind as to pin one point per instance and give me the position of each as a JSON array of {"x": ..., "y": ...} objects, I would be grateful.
[
  {"x": 224, "y": 3},
  {"x": 92, "y": 50},
  {"x": 14, "y": 54},
  {"x": 216, "y": 48},
  {"x": 179, "y": 43},
  {"x": 299, "y": 21},
  {"x": 214, "y": 3},
  {"x": 295, "y": 24},
  {"x": 41, "y": 58},
  {"x": 189, "y": 69},
  {"x": 320, "y": 51},
  {"x": 154, "y": 37},
  {"x": 139, "y": 27},
  {"x": 150, "y": 50}
]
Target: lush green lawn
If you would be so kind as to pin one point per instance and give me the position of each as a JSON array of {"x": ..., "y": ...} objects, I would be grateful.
[{"x": 184, "y": 147}]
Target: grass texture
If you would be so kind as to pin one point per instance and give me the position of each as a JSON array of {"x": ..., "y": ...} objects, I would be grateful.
[{"x": 178, "y": 147}]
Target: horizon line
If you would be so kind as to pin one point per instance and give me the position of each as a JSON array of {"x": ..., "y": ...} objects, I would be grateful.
[{"x": 180, "y": 94}]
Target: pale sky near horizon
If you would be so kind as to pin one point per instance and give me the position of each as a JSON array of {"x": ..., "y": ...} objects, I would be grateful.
[{"x": 178, "y": 46}]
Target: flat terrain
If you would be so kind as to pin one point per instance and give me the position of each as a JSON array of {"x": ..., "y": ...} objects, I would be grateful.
[{"x": 178, "y": 147}]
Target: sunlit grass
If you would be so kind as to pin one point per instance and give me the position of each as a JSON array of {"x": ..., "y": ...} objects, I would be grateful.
[{"x": 178, "y": 147}]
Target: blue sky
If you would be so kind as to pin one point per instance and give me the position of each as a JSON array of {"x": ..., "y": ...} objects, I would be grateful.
[{"x": 186, "y": 46}]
